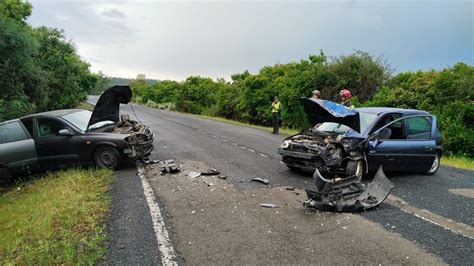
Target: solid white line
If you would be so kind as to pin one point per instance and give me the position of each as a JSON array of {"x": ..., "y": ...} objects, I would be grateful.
[{"x": 168, "y": 256}]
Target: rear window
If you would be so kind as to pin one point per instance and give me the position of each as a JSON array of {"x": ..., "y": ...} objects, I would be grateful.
[{"x": 11, "y": 132}]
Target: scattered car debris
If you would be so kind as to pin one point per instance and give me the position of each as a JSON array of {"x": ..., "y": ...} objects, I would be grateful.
[
  {"x": 269, "y": 205},
  {"x": 222, "y": 177},
  {"x": 261, "y": 180},
  {"x": 170, "y": 166},
  {"x": 348, "y": 194},
  {"x": 290, "y": 188},
  {"x": 211, "y": 172},
  {"x": 194, "y": 174}
]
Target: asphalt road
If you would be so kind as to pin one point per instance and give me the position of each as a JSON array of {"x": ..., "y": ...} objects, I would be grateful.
[{"x": 244, "y": 153}]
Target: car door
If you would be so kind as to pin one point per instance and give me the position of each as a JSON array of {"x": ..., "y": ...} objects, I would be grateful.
[
  {"x": 412, "y": 152},
  {"x": 17, "y": 148},
  {"x": 54, "y": 148},
  {"x": 385, "y": 150}
]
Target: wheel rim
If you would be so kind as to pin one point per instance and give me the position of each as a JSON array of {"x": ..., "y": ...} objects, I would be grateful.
[
  {"x": 435, "y": 165},
  {"x": 107, "y": 158}
]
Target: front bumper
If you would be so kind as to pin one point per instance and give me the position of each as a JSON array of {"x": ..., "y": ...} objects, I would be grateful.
[{"x": 296, "y": 154}]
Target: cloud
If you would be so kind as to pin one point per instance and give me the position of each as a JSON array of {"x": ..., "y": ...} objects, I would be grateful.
[
  {"x": 217, "y": 39},
  {"x": 113, "y": 13}
]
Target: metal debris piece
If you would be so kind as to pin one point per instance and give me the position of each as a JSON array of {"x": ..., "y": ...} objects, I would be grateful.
[
  {"x": 211, "y": 172},
  {"x": 222, "y": 177},
  {"x": 348, "y": 194},
  {"x": 269, "y": 205},
  {"x": 290, "y": 188},
  {"x": 194, "y": 174},
  {"x": 261, "y": 180}
]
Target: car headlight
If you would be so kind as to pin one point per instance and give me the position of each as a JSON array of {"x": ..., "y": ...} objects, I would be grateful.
[{"x": 285, "y": 144}]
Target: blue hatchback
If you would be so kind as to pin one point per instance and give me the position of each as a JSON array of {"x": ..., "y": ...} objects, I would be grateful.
[{"x": 347, "y": 142}]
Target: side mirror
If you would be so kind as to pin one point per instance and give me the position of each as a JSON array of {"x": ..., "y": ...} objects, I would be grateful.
[{"x": 65, "y": 132}]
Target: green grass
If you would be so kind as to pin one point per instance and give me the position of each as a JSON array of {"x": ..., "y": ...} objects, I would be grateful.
[
  {"x": 85, "y": 106},
  {"x": 58, "y": 219},
  {"x": 233, "y": 122},
  {"x": 458, "y": 162}
]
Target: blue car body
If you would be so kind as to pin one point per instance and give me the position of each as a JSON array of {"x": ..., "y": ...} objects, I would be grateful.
[{"x": 403, "y": 140}]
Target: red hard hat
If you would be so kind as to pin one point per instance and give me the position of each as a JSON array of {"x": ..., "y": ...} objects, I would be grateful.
[{"x": 345, "y": 93}]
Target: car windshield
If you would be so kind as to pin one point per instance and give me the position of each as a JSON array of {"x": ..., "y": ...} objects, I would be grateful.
[
  {"x": 366, "y": 119},
  {"x": 81, "y": 119}
]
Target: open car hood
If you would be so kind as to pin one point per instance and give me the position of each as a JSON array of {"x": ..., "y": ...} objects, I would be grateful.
[
  {"x": 319, "y": 111},
  {"x": 107, "y": 107}
]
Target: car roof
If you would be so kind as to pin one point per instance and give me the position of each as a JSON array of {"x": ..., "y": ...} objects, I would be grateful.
[
  {"x": 55, "y": 113},
  {"x": 383, "y": 110}
]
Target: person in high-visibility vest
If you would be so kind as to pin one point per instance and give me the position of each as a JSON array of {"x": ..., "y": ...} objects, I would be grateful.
[{"x": 276, "y": 109}]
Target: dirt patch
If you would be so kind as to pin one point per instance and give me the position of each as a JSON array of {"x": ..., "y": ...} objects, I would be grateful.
[{"x": 213, "y": 222}]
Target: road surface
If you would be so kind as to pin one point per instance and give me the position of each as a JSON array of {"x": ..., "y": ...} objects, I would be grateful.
[{"x": 427, "y": 220}]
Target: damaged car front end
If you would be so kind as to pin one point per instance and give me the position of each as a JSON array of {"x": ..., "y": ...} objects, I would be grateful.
[
  {"x": 337, "y": 153},
  {"x": 105, "y": 119}
]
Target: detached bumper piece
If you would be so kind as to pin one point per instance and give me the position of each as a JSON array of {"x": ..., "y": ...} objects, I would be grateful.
[{"x": 348, "y": 194}]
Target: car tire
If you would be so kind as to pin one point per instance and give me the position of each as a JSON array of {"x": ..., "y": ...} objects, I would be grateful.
[
  {"x": 435, "y": 165},
  {"x": 106, "y": 157}
]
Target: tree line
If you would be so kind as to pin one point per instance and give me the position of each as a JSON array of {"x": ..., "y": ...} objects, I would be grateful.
[
  {"x": 39, "y": 69},
  {"x": 448, "y": 93}
]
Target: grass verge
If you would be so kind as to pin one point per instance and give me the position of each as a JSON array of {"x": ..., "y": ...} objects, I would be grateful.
[
  {"x": 233, "y": 122},
  {"x": 458, "y": 162},
  {"x": 58, "y": 219}
]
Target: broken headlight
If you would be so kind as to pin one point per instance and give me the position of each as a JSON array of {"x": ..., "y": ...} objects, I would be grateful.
[{"x": 285, "y": 144}]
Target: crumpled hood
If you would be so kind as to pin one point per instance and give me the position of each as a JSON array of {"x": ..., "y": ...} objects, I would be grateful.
[
  {"x": 319, "y": 111},
  {"x": 108, "y": 106}
]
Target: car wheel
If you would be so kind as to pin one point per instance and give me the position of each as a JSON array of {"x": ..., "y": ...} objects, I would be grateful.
[
  {"x": 355, "y": 168},
  {"x": 434, "y": 166},
  {"x": 106, "y": 157}
]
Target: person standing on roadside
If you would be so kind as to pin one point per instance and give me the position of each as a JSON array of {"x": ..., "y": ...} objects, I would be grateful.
[
  {"x": 316, "y": 94},
  {"x": 346, "y": 98},
  {"x": 276, "y": 109}
]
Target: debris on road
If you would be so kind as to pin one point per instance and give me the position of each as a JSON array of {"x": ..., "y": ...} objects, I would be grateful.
[
  {"x": 269, "y": 205},
  {"x": 222, "y": 177},
  {"x": 261, "y": 180},
  {"x": 194, "y": 174},
  {"x": 290, "y": 188},
  {"x": 211, "y": 172},
  {"x": 348, "y": 194}
]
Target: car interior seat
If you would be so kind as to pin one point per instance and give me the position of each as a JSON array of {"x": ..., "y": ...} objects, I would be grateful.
[
  {"x": 45, "y": 130},
  {"x": 386, "y": 133}
]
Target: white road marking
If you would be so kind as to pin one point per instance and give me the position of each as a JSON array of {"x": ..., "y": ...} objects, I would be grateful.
[
  {"x": 263, "y": 155},
  {"x": 448, "y": 224},
  {"x": 250, "y": 150},
  {"x": 235, "y": 144},
  {"x": 243, "y": 147},
  {"x": 224, "y": 140},
  {"x": 281, "y": 162},
  {"x": 167, "y": 252}
]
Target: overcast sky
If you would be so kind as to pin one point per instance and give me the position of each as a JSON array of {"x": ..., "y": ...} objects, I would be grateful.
[{"x": 173, "y": 40}]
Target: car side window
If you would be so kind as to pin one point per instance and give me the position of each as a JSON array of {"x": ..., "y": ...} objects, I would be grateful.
[
  {"x": 11, "y": 132},
  {"x": 395, "y": 130},
  {"x": 49, "y": 127},
  {"x": 419, "y": 127},
  {"x": 28, "y": 125}
]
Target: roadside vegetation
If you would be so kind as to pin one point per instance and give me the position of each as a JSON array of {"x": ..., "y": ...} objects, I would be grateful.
[
  {"x": 57, "y": 219},
  {"x": 40, "y": 69},
  {"x": 448, "y": 93}
]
